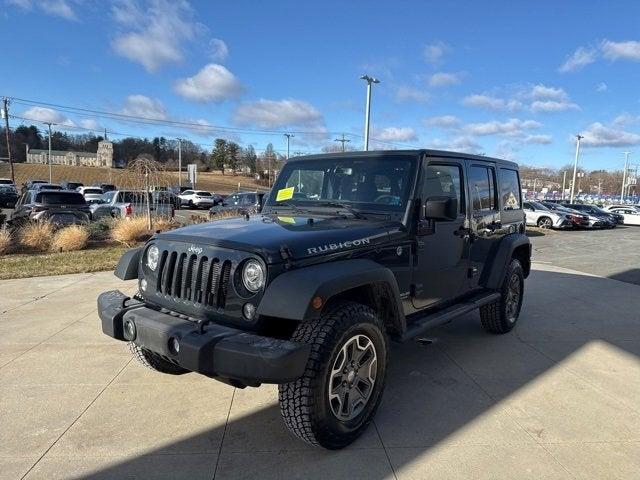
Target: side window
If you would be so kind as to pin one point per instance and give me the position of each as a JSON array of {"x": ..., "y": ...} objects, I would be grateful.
[
  {"x": 510, "y": 189},
  {"x": 444, "y": 181},
  {"x": 233, "y": 200},
  {"x": 483, "y": 189}
]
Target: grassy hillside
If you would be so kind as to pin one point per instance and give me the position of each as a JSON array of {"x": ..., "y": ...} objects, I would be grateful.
[{"x": 214, "y": 182}]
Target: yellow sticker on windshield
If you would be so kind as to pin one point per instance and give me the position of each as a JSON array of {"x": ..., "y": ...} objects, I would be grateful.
[
  {"x": 285, "y": 194},
  {"x": 287, "y": 220}
]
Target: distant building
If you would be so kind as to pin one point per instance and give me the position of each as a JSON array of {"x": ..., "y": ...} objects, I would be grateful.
[{"x": 102, "y": 158}]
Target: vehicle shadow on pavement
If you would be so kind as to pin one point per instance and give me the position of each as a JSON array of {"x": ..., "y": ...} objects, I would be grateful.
[{"x": 461, "y": 398}]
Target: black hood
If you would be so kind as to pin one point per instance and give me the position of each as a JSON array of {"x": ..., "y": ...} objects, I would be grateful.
[{"x": 303, "y": 236}]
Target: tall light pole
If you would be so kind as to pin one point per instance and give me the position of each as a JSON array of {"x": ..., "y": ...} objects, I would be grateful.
[
  {"x": 624, "y": 174},
  {"x": 289, "y": 136},
  {"x": 564, "y": 179},
  {"x": 179, "y": 164},
  {"x": 367, "y": 114},
  {"x": 5, "y": 115},
  {"x": 50, "y": 172},
  {"x": 575, "y": 167},
  {"x": 342, "y": 140}
]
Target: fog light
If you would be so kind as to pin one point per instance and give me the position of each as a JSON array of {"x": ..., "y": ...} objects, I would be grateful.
[
  {"x": 248, "y": 310},
  {"x": 174, "y": 345},
  {"x": 143, "y": 284},
  {"x": 129, "y": 330}
]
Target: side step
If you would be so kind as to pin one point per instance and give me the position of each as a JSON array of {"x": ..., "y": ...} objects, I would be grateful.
[{"x": 420, "y": 325}]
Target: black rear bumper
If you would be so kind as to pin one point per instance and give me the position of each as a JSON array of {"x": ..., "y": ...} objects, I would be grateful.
[{"x": 215, "y": 350}]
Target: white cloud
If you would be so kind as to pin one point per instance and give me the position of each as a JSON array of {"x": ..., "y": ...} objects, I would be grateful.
[
  {"x": 444, "y": 79},
  {"x": 43, "y": 114},
  {"x": 55, "y": 8},
  {"x": 538, "y": 139},
  {"x": 549, "y": 106},
  {"x": 491, "y": 103},
  {"x": 599, "y": 135},
  {"x": 512, "y": 127},
  {"x": 91, "y": 124},
  {"x": 279, "y": 113},
  {"x": 434, "y": 52},
  {"x": 578, "y": 60},
  {"x": 155, "y": 35},
  {"x": 444, "y": 121},
  {"x": 214, "y": 83},
  {"x": 542, "y": 92},
  {"x": 601, "y": 87},
  {"x": 460, "y": 144},
  {"x": 395, "y": 134},
  {"x": 219, "y": 50},
  {"x": 410, "y": 94},
  {"x": 143, "y": 106},
  {"x": 629, "y": 50}
]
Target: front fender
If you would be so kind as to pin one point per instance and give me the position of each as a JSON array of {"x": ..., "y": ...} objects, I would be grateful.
[
  {"x": 127, "y": 268},
  {"x": 289, "y": 295}
]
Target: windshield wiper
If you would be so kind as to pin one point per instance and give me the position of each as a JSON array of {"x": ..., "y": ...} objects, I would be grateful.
[
  {"x": 348, "y": 208},
  {"x": 295, "y": 208}
]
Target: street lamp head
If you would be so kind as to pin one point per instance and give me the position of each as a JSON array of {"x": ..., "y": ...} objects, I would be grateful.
[{"x": 369, "y": 79}]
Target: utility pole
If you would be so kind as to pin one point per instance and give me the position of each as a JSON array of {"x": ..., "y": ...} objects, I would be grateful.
[
  {"x": 49, "y": 158},
  {"x": 342, "y": 141},
  {"x": 624, "y": 174},
  {"x": 564, "y": 179},
  {"x": 5, "y": 113},
  {"x": 289, "y": 136},
  {"x": 367, "y": 113},
  {"x": 179, "y": 164},
  {"x": 575, "y": 167}
]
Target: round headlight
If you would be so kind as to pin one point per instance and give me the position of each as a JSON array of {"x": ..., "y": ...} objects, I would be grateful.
[
  {"x": 253, "y": 276},
  {"x": 153, "y": 255}
]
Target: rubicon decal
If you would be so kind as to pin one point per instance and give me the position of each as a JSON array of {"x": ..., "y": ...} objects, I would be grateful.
[{"x": 338, "y": 246}]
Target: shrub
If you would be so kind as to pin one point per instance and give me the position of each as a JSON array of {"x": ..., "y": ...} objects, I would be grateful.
[
  {"x": 130, "y": 230},
  {"x": 163, "y": 224},
  {"x": 36, "y": 235},
  {"x": 99, "y": 230},
  {"x": 5, "y": 241},
  {"x": 73, "y": 237},
  {"x": 195, "y": 219},
  {"x": 3, "y": 219}
]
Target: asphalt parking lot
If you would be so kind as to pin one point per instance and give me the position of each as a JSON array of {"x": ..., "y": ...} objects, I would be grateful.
[{"x": 555, "y": 398}]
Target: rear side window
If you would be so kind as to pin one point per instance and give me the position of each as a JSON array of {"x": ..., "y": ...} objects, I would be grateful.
[
  {"x": 510, "y": 189},
  {"x": 60, "y": 198},
  {"x": 132, "y": 197},
  {"x": 483, "y": 188}
]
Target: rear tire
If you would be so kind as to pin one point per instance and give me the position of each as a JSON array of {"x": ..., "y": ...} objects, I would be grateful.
[
  {"x": 154, "y": 361},
  {"x": 501, "y": 316},
  {"x": 336, "y": 398}
]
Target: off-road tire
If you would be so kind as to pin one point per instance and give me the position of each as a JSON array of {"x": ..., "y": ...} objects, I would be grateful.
[
  {"x": 494, "y": 316},
  {"x": 304, "y": 403},
  {"x": 154, "y": 361}
]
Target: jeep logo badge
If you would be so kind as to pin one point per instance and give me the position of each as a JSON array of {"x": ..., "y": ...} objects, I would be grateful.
[{"x": 194, "y": 249}]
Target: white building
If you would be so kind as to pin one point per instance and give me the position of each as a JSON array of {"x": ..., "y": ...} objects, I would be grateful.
[{"x": 102, "y": 158}]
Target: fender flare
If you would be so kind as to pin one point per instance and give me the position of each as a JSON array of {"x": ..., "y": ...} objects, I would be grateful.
[
  {"x": 289, "y": 295},
  {"x": 500, "y": 258},
  {"x": 127, "y": 268}
]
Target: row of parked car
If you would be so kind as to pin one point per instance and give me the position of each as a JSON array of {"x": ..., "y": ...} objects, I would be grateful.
[
  {"x": 73, "y": 203},
  {"x": 561, "y": 215}
]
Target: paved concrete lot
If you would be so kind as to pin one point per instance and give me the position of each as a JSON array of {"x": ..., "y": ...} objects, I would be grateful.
[
  {"x": 556, "y": 398},
  {"x": 613, "y": 253}
]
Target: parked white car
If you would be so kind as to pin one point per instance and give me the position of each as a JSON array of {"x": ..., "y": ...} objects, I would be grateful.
[
  {"x": 91, "y": 194},
  {"x": 631, "y": 215},
  {"x": 540, "y": 216},
  {"x": 197, "y": 199},
  {"x": 610, "y": 208}
]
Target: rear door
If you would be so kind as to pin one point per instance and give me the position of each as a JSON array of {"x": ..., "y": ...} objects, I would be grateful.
[
  {"x": 442, "y": 254},
  {"x": 485, "y": 215}
]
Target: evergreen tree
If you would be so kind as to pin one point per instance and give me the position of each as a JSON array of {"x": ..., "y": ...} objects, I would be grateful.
[
  {"x": 233, "y": 156},
  {"x": 219, "y": 154},
  {"x": 250, "y": 159}
]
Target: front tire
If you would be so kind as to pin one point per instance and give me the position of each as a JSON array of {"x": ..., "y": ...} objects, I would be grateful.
[
  {"x": 154, "y": 361},
  {"x": 501, "y": 316},
  {"x": 336, "y": 398},
  {"x": 545, "y": 222}
]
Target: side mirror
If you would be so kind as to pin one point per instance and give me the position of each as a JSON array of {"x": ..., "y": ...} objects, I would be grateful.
[{"x": 440, "y": 208}]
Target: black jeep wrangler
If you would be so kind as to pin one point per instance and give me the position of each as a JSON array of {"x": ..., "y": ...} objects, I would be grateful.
[{"x": 350, "y": 250}]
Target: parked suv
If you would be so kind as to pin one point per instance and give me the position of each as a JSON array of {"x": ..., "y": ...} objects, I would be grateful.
[
  {"x": 241, "y": 202},
  {"x": 351, "y": 250},
  {"x": 541, "y": 216},
  {"x": 61, "y": 207}
]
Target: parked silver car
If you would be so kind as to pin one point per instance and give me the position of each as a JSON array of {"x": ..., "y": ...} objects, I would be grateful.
[
  {"x": 540, "y": 216},
  {"x": 91, "y": 194},
  {"x": 128, "y": 203}
]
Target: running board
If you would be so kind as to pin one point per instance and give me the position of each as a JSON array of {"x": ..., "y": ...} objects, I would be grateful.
[{"x": 445, "y": 315}]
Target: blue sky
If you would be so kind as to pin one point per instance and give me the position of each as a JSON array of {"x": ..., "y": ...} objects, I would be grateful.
[{"x": 513, "y": 79}]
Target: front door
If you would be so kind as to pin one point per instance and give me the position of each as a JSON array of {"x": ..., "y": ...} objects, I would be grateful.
[{"x": 442, "y": 260}]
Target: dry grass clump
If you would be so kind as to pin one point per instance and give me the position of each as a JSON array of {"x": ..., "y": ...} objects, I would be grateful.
[
  {"x": 36, "y": 235},
  {"x": 130, "y": 230},
  {"x": 162, "y": 224},
  {"x": 73, "y": 237},
  {"x": 5, "y": 241}
]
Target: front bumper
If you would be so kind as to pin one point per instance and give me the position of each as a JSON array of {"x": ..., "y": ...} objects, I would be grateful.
[{"x": 214, "y": 350}]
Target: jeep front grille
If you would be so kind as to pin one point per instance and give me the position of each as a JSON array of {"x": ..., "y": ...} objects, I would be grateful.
[{"x": 193, "y": 278}]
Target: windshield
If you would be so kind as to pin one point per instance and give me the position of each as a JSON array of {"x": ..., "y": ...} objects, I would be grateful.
[
  {"x": 373, "y": 184},
  {"x": 60, "y": 198},
  {"x": 4, "y": 181},
  {"x": 203, "y": 194},
  {"x": 539, "y": 206},
  {"x": 93, "y": 191}
]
